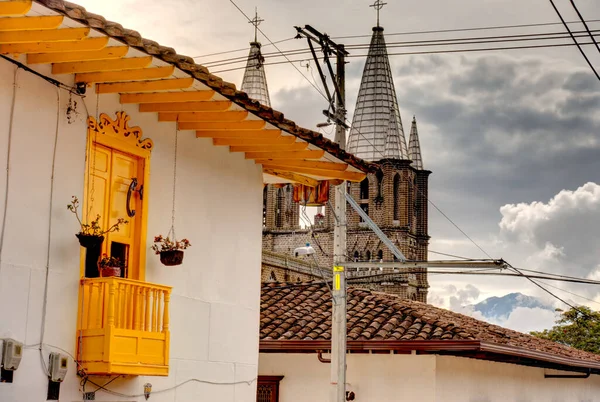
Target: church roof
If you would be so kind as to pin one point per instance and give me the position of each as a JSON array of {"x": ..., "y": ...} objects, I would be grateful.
[
  {"x": 414, "y": 147},
  {"x": 255, "y": 82},
  {"x": 376, "y": 131},
  {"x": 297, "y": 316}
]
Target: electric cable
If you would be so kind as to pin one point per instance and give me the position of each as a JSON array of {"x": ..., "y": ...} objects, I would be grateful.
[
  {"x": 488, "y": 49},
  {"x": 11, "y": 121},
  {"x": 545, "y": 36},
  {"x": 575, "y": 40},
  {"x": 569, "y": 292},
  {"x": 408, "y": 33},
  {"x": 587, "y": 28},
  {"x": 279, "y": 50},
  {"x": 49, "y": 238}
]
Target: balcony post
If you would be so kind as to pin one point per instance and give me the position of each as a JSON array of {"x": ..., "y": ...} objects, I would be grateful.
[
  {"x": 166, "y": 311},
  {"x": 111, "y": 303}
]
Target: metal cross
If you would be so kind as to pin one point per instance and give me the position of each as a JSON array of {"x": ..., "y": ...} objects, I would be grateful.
[
  {"x": 256, "y": 22},
  {"x": 378, "y": 5}
]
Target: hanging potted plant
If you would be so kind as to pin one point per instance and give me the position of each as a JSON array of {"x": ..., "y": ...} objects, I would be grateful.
[
  {"x": 170, "y": 251},
  {"x": 91, "y": 234},
  {"x": 109, "y": 266}
]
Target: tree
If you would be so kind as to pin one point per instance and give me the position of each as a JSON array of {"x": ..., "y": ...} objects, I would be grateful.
[{"x": 578, "y": 327}]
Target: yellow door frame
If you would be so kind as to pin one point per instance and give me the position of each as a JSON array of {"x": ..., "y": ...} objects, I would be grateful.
[{"x": 116, "y": 134}]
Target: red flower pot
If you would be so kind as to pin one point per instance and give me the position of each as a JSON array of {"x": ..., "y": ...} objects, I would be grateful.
[
  {"x": 109, "y": 271},
  {"x": 171, "y": 257}
]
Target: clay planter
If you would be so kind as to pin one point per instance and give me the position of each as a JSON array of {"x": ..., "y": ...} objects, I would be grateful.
[
  {"x": 90, "y": 241},
  {"x": 109, "y": 271},
  {"x": 171, "y": 257}
]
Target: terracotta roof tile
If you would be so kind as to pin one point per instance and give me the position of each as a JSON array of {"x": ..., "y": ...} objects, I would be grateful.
[{"x": 303, "y": 312}]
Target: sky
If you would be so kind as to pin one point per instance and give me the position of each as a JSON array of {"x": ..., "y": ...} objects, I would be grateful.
[{"x": 512, "y": 137}]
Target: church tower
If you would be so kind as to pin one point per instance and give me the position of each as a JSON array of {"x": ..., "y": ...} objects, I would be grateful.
[{"x": 395, "y": 197}]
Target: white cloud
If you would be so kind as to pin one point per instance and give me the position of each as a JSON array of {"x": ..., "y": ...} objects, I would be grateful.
[{"x": 525, "y": 319}]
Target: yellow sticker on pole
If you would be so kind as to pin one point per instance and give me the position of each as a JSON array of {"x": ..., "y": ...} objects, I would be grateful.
[
  {"x": 337, "y": 284},
  {"x": 338, "y": 269}
]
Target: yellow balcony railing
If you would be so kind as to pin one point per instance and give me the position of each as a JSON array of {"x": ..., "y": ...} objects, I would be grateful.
[{"x": 123, "y": 327}]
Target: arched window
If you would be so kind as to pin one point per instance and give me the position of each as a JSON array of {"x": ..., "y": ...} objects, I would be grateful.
[
  {"x": 397, "y": 197},
  {"x": 356, "y": 256},
  {"x": 380, "y": 255},
  {"x": 364, "y": 189},
  {"x": 368, "y": 255},
  {"x": 272, "y": 277},
  {"x": 279, "y": 208},
  {"x": 413, "y": 297},
  {"x": 379, "y": 176}
]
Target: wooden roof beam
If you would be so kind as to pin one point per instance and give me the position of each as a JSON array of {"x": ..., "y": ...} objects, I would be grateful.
[
  {"x": 83, "y": 45},
  {"x": 111, "y": 52},
  {"x": 169, "y": 101},
  {"x": 237, "y": 115},
  {"x": 294, "y": 177},
  {"x": 126, "y": 75},
  {"x": 141, "y": 86},
  {"x": 310, "y": 154},
  {"x": 297, "y": 146},
  {"x": 239, "y": 134},
  {"x": 280, "y": 140},
  {"x": 15, "y": 7},
  {"x": 31, "y": 23},
  {"x": 182, "y": 107},
  {"x": 46, "y": 35},
  {"x": 305, "y": 164},
  {"x": 334, "y": 174},
  {"x": 236, "y": 125},
  {"x": 131, "y": 63}
]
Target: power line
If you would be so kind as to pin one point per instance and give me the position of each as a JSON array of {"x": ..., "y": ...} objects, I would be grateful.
[
  {"x": 585, "y": 24},
  {"x": 420, "y": 43},
  {"x": 463, "y": 29},
  {"x": 238, "y": 50},
  {"x": 411, "y": 33},
  {"x": 571, "y": 293},
  {"x": 575, "y": 40},
  {"x": 279, "y": 50},
  {"x": 429, "y": 52}
]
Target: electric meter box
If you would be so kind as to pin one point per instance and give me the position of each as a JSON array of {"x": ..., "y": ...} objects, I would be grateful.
[
  {"x": 12, "y": 352},
  {"x": 59, "y": 364}
]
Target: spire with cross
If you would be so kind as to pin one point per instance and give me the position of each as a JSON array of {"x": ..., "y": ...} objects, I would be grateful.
[
  {"x": 378, "y": 5},
  {"x": 256, "y": 22}
]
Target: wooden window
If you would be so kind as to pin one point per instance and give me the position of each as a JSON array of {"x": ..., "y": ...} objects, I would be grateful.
[{"x": 267, "y": 389}]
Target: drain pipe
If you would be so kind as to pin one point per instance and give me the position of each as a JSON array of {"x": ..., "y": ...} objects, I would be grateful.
[
  {"x": 321, "y": 358},
  {"x": 582, "y": 375}
]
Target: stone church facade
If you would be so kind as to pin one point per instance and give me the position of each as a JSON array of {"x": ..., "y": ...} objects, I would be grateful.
[{"x": 395, "y": 197}]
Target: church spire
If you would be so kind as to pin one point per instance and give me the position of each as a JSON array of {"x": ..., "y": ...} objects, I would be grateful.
[
  {"x": 376, "y": 131},
  {"x": 255, "y": 81},
  {"x": 415, "y": 147}
]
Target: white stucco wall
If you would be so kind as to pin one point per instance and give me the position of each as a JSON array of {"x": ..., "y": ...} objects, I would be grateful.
[
  {"x": 215, "y": 302},
  {"x": 468, "y": 380},
  {"x": 373, "y": 378},
  {"x": 424, "y": 378}
]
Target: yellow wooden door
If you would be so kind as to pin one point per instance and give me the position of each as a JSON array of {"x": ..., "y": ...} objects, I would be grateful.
[{"x": 115, "y": 177}]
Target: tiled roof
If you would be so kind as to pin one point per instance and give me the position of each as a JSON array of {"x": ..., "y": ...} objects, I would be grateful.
[
  {"x": 201, "y": 73},
  {"x": 302, "y": 312}
]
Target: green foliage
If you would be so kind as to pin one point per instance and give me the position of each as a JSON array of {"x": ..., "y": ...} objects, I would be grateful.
[{"x": 578, "y": 328}]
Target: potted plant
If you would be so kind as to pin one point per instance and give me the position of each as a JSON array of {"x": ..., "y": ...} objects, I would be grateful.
[
  {"x": 170, "y": 251},
  {"x": 91, "y": 234},
  {"x": 109, "y": 266}
]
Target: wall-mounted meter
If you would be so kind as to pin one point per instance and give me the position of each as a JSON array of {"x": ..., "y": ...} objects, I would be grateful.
[
  {"x": 12, "y": 352},
  {"x": 58, "y": 367}
]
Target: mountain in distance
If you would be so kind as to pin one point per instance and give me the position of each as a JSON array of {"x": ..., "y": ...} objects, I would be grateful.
[{"x": 501, "y": 307}]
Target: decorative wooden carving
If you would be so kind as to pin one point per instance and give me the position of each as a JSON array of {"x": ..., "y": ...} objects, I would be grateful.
[{"x": 119, "y": 128}]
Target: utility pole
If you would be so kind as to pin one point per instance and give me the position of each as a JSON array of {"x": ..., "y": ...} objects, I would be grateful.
[{"x": 337, "y": 113}]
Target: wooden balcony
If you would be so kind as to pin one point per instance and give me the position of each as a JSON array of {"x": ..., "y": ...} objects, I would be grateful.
[{"x": 123, "y": 327}]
